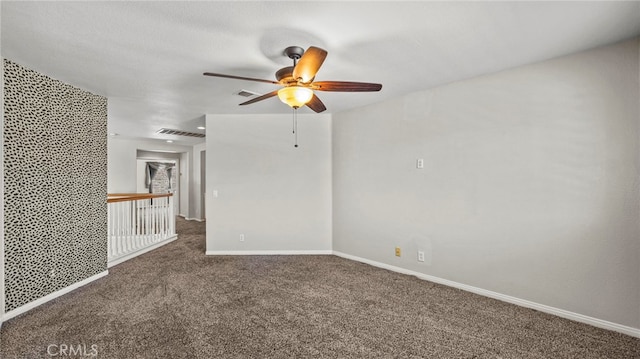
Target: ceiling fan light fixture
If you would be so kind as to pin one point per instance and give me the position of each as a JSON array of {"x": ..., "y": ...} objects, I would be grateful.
[
  {"x": 295, "y": 96},
  {"x": 299, "y": 80}
]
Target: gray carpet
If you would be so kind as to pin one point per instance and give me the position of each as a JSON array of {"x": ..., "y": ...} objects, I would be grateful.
[{"x": 175, "y": 302}]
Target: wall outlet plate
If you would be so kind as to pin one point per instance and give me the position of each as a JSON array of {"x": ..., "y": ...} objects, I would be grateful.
[
  {"x": 420, "y": 256},
  {"x": 397, "y": 251}
]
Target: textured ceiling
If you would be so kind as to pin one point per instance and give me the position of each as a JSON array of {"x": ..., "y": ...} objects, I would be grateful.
[{"x": 148, "y": 57}]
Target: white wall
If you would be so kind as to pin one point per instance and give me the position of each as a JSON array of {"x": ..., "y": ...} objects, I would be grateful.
[
  {"x": 141, "y": 168},
  {"x": 121, "y": 165},
  {"x": 277, "y": 195},
  {"x": 530, "y": 185}
]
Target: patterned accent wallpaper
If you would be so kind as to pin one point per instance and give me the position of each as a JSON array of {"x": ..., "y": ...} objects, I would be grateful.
[{"x": 55, "y": 162}]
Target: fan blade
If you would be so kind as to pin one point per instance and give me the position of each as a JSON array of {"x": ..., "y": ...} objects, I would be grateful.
[
  {"x": 309, "y": 64},
  {"x": 315, "y": 104},
  {"x": 345, "y": 86},
  {"x": 239, "y": 78},
  {"x": 260, "y": 98}
]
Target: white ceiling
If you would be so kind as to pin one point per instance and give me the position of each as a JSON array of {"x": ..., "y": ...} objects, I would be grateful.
[{"x": 148, "y": 57}]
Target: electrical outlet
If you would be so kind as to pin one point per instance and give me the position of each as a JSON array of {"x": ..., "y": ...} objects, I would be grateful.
[
  {"x": 397, "y": 251},
  {"x": 242, "y": 238},
  {"x": 420, "y": 256},
  {"x": 420, "y": 163}
]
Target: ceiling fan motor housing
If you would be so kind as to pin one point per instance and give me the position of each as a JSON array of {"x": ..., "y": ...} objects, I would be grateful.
[
  {"x": 285, "y": 75},
  {"x": 294, "y": 52}
]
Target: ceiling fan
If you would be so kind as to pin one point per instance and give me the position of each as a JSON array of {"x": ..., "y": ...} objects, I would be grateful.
[{"x": 298, "y": 80}]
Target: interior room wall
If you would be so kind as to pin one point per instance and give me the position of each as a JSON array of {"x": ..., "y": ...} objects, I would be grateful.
[
  {"x": 278, "y": 196},
  {"x": 121, "y": 169},
  {"x": 529, "y": 186},
  {"x": 55, "y": 161}
]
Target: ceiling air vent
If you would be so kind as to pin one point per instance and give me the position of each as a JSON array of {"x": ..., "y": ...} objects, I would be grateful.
[
  {"x": 166, "y": 131},
  {"x": 246, "y": 93}
]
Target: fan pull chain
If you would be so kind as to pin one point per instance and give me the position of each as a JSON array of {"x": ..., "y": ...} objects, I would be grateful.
[{"x": 295, "y": 126}]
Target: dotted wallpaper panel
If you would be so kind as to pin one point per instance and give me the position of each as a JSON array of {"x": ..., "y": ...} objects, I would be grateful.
[{"x": 55, "y": 162}]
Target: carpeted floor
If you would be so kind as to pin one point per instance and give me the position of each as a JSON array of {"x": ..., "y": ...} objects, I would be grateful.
[{"x": 175, "y": 302}]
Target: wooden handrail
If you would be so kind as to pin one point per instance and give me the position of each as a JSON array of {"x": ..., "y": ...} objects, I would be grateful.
[{"x": 123, "y": 197}]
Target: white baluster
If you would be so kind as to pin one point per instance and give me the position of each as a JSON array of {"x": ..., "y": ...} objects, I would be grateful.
[
  {"x": 136, "y": 224},
  {"x": 172, "y": 218}
]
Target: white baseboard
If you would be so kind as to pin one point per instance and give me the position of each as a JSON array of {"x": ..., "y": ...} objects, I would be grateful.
[
  {"x": 270, "y": 253},
  {"x": 634, "y": 332},
  {"x": 141, "y": 251},
  {"x": 13, "y": 313},
  {"x": 191, "y": 219}
]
